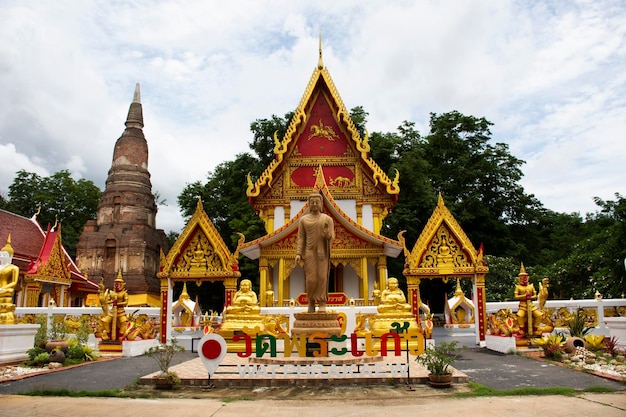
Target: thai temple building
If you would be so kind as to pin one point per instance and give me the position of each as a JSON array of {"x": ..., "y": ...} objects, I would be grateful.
[
  {"x": 124, "y": 236},
  {"x": 47, "y": 273},
  {"x": 322, "y": 151}
]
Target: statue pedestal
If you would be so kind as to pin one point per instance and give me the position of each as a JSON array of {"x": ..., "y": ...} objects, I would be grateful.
[
  {"x": 617, "y": 329},
  {"x": 502, "y": 344},
  {"x": 233, "y": 324},
  {"x": 320, "y": 322},
  {"x": 309, "y": 323},
  {"x": 15, "y": 340}
]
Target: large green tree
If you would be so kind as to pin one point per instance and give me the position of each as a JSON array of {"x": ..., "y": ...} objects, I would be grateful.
[
  {"x": 58, "y": 198},
  {"x": 595, "y": 261}
]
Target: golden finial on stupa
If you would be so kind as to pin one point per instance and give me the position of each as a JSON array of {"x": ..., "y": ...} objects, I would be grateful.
[
  {"x": 459, "y": 291},
  {"x": 184, "y": 295}
]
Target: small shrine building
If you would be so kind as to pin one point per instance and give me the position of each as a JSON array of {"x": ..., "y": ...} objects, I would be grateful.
[
  {"x": 198, "y": 255},
  {"x": 47, "y": 272},
  {"x": 443, "y": 251}
]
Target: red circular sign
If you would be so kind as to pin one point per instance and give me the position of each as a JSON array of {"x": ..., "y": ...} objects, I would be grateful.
[{"x": 211, "y": 349}]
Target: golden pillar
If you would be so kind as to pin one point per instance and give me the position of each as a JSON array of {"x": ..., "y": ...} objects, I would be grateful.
[
  {"x": 365, "y": 284},
  {"x": 382, "y": 272},
  {"x": 359, "y": 214},
  {"x": 376, "y": 211},
  {"x": 287, "y": 216},
  {"x": 263, "y": 278},
  {"x": 281, "y": 282},
  {"x": 270, "y": 220}
]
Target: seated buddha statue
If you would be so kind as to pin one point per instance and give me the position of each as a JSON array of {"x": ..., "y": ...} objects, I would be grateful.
[
  {"x": 392, "y": 299},
  {"x": 9, "y": 275},
  {"x": 244, "y": 301}
]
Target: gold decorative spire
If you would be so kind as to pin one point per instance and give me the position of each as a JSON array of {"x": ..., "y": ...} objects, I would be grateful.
[
  {"x": 320, "y": 63},
  {"x": 522, "y": 270},
  {"x": 184, "y": 295},
  {"x": 119, "y": 276},
  {"x": 459, "y": 291}
]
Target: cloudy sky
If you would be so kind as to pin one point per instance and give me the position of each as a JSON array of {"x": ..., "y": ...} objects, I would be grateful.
[{"x": 550, "y": 75}]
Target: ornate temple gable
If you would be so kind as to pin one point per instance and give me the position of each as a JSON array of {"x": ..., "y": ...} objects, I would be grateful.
[
  {"x": 321, "y": 132},
  {"x": 443, "y": 248},
  {"x": 351, "y": 239},
  {"x": 200, "y": 252},
  {"x": 51, "y": 266}
]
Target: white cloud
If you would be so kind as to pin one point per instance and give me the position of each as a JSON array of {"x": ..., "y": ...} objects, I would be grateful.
[{"x": 549, "y": 75}]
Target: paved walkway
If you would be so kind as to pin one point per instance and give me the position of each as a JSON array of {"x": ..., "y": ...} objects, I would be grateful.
[{"x": 411, "y": 404}]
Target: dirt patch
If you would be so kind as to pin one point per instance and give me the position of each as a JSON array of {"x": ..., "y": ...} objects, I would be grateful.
[{"x": 298, "y": 393}]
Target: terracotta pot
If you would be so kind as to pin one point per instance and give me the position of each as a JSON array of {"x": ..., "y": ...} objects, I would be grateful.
[
  {"x": 57, "y": 355},
  {"x": 53, "y": 344},
  {"x": 440, "y": 381},
  {"x": 572, "y": 343}
]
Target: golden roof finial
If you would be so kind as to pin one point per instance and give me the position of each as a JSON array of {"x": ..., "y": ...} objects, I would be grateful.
[
  {"x": 320, "y": 63},
  {"x": 184, "y": 295},
  {"x": 459, "y": 291},
  {"x": 37, "y": 212}
]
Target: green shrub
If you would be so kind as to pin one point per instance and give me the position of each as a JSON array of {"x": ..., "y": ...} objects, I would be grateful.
[
  {"x": 577, "y": 324},
  {"x": 75, "y": 351},
  {"x": 41, "y": 359},
  {"x": 83, "y": 332},
  {"x": 41, "y": 337},
  {"x": 34, "y": 352}
]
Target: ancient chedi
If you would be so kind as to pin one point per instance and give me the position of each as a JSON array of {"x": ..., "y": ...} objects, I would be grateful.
[{"x": 124, "y": 236}]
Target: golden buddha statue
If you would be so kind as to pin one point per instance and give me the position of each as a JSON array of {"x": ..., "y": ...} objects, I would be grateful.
[
  {"x": 9, "y": 275},
  {"x": 113, "y": 320},
  {"x": 392, "y": 299},
  {"x": 245, "y": 300},
  {"x": 243, "y": 315},
  {"x": 393, "y": 310}
]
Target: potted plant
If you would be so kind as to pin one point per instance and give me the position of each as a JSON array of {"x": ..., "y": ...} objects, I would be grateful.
[
  {"x": 163, "y": 355},
  {"x": 437, "y": 359}
]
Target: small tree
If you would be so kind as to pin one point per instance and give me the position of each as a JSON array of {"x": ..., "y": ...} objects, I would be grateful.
[{"x": 163, "y": 355}]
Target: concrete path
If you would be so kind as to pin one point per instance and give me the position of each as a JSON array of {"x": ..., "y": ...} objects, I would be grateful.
[{"x": 588, "y": 405}]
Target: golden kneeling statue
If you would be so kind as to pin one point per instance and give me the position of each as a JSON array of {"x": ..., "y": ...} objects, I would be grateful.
[{"x": 9, "y": 275}]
